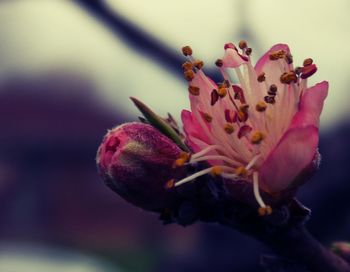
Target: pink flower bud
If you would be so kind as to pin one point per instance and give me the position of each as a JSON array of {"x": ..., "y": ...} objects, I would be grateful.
[{"x": 136, "y": 161}]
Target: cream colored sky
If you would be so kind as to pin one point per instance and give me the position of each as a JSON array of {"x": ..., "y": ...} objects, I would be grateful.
[{"x": 37, "y": 35}]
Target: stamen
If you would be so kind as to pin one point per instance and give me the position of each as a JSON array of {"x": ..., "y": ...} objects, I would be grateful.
[
  {"x": 189, "y": 75},
  {"x": 242, "y": 44},
  {"x": 230, "y": 116},
  {"x": 265, "y": 210},
  {"x": 308, "y": 62},
  {"x": 214, "y": 158},
  {"x": 248, "y": 51},
  {"x": 256, "y": 190},
  {"x": 243, "y": 131},
  {"x": 216, "y": 171},
  {"x": 193, "y": 176},
  {"x": 242, "y": 116},
  {"x": 198, "y": 64},
  {"x": 261, "y": 77},
  {"x": 187, "y": 66},
  {"x": 270, "y": 99},
  {"x": 219, "y": 63},
  {"x": 229, "y": 128},
  {"x": 206, "y": 150},
  {"x": 272, "y": 90},
  {"x": 214, "y": 97},
  {"x": 252, "y": 162},
  {"x": 277, "y": 55},
  {"x": 261, "y": 106},
  {"x": 169, "y": 184},
  {"x": 241, "y": 171},
  {"x": 193, "y": 90},
  {"x": 257, "y": 137},
  {"x": 187, "y": 50},
  {"x": 222, "y": 91},
  {"x": 308, "y": 71},
  {"x": 207, "y": 117},
  {"x": 289, "y": 77}
]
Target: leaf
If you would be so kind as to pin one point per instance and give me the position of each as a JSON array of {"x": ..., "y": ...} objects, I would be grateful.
[{"x": 159, "y": 123}]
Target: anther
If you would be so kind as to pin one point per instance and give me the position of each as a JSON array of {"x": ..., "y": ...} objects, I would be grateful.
[
  {"x": 261, "y": 106},
  {"x": 307, "y": 62},
  {"x": 229, "y": 128},
  {"x": 222, "y": 91},
  {"x": 267, "y": 210},
  {"x": 193, "y": 90},
  {"x": 277, "y": 55},
  {"x": 242, "y": 116},
  {"x": 189, "y": 75},
  {"x": 288, "y": 77},
  {"x": 261, "y": 77},
  {"x": 257, "y": 137},
  {"x": 187, "y": 51},
  {"x": 214, "y": 97},
  {"x": 198, "y": 64},
  {"x": 185, "y": 156},
  {"x": 244, "y": 130},
  {"x": 270, "y": 99},
  {"x": 216, "y": 171},
  {"x": 272, "y": 90},
  {"x": 289, "y": 58},
  {"x": 179, "y": 162},
  {"x": 242, "y": 44},
  {"x": 244, "y": 107},
  {"x": 248, "y": 51},
  {"x": 241, "y": 171},
  {"x": 308, "y": 71},
  {"x": 230, "y": 116},
  {"x": 207, "y": 117},
  {"x": 219, "y": 63},
  {"x": 298, "y": 70},
  {"x": 169, "y": 184},
  {"x": 187, "y": 66}
]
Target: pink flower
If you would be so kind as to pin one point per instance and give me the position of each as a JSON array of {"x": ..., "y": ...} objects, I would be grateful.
[{"x": 260, "y": 124}]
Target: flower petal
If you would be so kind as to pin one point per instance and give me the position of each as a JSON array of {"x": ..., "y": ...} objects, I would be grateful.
[
  {"x": 297, "y": 147},
  {"x": 233, "y": 59},
  {"x": 292, "y": 154},
  {"x": 311, "y": 105},
  {"x": 272, "y": 68}
]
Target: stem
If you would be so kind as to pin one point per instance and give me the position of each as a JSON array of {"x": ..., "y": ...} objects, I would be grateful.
[{"x": 298, "y": 244}]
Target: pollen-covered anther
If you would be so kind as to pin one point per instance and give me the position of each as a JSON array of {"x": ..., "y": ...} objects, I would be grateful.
[
  {"x": 275, "y": 55},
  {"x": 267, "y": 210},
  {"x": 187, "y": 50},
  {"x": 241, "y": 171},
  {"x": 261, "y": 106},
  {"x": 214, "y": 97},
  {"x": 185, "y": 156},
  {"x": 216, "y": 170},
  {"x": 261, "y": 77},
  {"x": 207, "y": 117},
  {"x": 272, "y": 90},
  {"x": 308, "y": 71},
  {"x": 169, "y": 184},
  {"x": 242, "y": 44},
  {"x": 248, "y": 51},
  {"x": 289, "y": 77},
  {"x": 222, "y": 91},
  {"x": 308, "y": 62},
  {"x": 270, "y": 99},
  {"x": 198, "y": 64},
  {"x": 189, "y": 75},
  {"x": 219, "y": 63},
  {"x": 257, "y": 137},
  {"x": 242, "y": 116},
  {"x": 187, "y": 66},
  {"x": 194, "y": 90},
  {"x": 229, "y": 129}
]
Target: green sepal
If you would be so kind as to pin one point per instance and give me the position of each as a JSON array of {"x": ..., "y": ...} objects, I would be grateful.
[{"x": 159, "y": 123}]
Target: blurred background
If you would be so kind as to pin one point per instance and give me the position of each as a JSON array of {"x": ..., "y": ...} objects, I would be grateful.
[{"x": 67, "y": 69}]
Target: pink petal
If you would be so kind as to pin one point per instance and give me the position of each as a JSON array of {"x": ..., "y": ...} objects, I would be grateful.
[
  {"x": 233, "y": 59},
  {"x": 311, "y": 105},
  {"x": 293, "y": 153},
  {"x": 193, "y": 130},
  {"x": 297, "y": 147},
  {"x": 271, "y": 68}
]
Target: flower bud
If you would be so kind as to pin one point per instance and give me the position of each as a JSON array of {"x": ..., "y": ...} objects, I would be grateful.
[{"x": 136, "y": 161}]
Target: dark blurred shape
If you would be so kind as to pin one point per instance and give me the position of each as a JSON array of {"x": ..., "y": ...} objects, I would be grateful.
[{"x": 141, "y": 41}]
